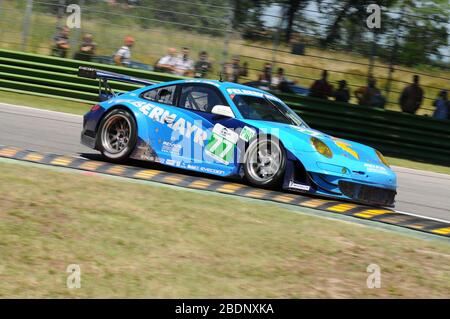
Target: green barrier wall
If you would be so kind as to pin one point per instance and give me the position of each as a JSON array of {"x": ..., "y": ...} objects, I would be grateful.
[{"x": 393, "y": 133}]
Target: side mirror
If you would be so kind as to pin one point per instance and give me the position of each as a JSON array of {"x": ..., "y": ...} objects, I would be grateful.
[{"x": 223, "y": 110}]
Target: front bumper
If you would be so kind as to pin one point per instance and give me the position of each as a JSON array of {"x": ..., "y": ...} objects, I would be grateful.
[
  {"x": 368, "y": 194},
  {"x": 370, "y": 189}
]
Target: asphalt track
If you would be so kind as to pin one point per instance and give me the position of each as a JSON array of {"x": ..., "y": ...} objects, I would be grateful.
[{"x": 420, "y": 192}]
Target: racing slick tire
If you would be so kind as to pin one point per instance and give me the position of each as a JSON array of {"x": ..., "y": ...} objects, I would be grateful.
[
  {"x": 265, "y": 162},
  {"x": 117, "y": 135}
]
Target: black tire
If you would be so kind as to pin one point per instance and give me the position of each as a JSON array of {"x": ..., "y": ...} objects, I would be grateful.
[
  {"x": 261, "y": 143},
  {"x": 116, "y": 123}
]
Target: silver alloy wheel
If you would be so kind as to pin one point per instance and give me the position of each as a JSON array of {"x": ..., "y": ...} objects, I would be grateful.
[
  {"x": 264, "y": 161},
  {"x": 115, "y": 135}
]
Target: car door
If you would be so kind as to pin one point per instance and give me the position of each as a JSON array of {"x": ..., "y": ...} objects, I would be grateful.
[{"x": 215, "y": 150}]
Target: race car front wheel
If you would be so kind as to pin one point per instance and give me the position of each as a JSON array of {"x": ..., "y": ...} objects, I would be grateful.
[
  {"x": 117, "y": 135},
  {"x": 265, "y": 162}
]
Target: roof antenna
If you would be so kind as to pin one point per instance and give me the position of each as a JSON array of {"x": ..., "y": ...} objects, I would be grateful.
[{"x": 220, "y": 76}]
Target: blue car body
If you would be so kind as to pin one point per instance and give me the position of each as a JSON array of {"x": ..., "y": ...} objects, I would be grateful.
[{"x": 355, "y": 171}]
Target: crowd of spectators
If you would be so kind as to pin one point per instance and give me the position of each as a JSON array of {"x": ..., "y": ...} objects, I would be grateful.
[
  {"x": 410, "y": 100},
  {"x": 180, "y": 64},
  {"x": 370, "y": 95}
]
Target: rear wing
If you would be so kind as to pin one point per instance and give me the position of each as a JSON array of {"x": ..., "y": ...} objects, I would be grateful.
[{"x": 105, "y": 92}]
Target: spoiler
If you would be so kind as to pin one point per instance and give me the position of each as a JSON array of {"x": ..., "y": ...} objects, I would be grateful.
[{"x": 105, "y": 92}]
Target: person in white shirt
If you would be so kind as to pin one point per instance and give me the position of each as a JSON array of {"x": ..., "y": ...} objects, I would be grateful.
[
  {"x": 278, "y": 79},
  {"x": 167, "y": 63},
  {"x": 123, "y": 56},
  {"x": 184, "y": 65}
]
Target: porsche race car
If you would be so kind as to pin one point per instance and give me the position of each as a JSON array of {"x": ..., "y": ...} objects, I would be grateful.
[{"x": 231, "y": 130}]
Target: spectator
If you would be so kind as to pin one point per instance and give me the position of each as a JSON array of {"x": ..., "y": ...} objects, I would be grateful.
[
  {"x": 342, "y": 94},
  {"x": 321, "y": 88},
  {"x": 87, "y": 49},
  {"x": 370, "y": 95},
  {"x": 61, "y": 43},
  {"x": 442, "y": 104},
  {"x": 202, "y": 66},
  {"x": 281, "y": 82},
  {"x": 266, "y": 75},
  {"x": 123, "y": 56},
  {"x": 184, "y": 65},
  {"x": 278, "y": 79},
  {"x": 411, "y": 97},
  {"x": 233, "y": 70},
  {"x": 244, "y": 69},
  {"x": 167, "y": 63}
]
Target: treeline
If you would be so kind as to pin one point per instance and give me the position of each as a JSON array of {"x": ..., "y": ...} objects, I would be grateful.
[{"x": 412, "y": 32}]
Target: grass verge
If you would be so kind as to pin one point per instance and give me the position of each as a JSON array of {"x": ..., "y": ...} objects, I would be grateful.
[
  {"x": 81, "y": 108},
  {"x": 135, "y": 240},
  {"x": 418, "y": 165},
  {"x": 45, "y": 103}
]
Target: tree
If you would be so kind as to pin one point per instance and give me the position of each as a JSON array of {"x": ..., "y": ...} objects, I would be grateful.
[{"x": 424, "y": 31}]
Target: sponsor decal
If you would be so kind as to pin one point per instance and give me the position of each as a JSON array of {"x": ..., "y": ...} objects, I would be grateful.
[
  {"x": 178, "y": 125},
  {"x": 212, "y": 171},
  {"x": 373, "y": 168},
  {"x": 252, "y": 93},
  {"x": 205, "y": 169},
  {"x": 307, "y": 131},
  {"x": 222, "y": 143},
  {"x": 193, "y": 167},
  {"x": 203, "y": 81},
  {"x": 171, "y": 148},
  {"x": 247, "y": 133},
  {"x": 172, "y": 162},
  {"x": 298, "y": 186},
  {"x": 347, "y": 148}
]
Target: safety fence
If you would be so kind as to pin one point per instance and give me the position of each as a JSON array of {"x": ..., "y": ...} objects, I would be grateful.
[
  {"x": 397, "y": 134},
  {"x": 30, "y": 25}
]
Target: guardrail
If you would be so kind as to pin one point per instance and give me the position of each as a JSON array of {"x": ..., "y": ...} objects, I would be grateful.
[{"x": 396, "y": 134}]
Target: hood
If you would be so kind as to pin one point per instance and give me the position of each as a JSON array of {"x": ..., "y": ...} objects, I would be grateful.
[{"x": 298, "y": 140}]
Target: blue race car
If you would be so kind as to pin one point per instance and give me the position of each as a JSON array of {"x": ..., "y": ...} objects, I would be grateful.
[{"x": 232, "y": 130}]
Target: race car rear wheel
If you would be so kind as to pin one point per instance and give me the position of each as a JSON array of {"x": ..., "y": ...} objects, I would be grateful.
[
  {"x": 265, "y": 162},
  {"x": 117, "y": 135}
]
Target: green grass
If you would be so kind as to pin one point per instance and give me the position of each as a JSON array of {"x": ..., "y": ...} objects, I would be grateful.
[
  {"x": 81, "y": 108},
  {"x": 46, "y": 103},
  {"x": 418, "y": 165},
  {"x": 170, "y": 243}
]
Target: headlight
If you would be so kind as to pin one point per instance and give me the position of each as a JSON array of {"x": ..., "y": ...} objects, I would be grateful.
[
  {"x": 382, "y": 159},
  {"x": 321, "y": 147}
]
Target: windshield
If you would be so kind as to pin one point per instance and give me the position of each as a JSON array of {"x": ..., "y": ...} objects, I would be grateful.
[{"x": 263, "y": 109}]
